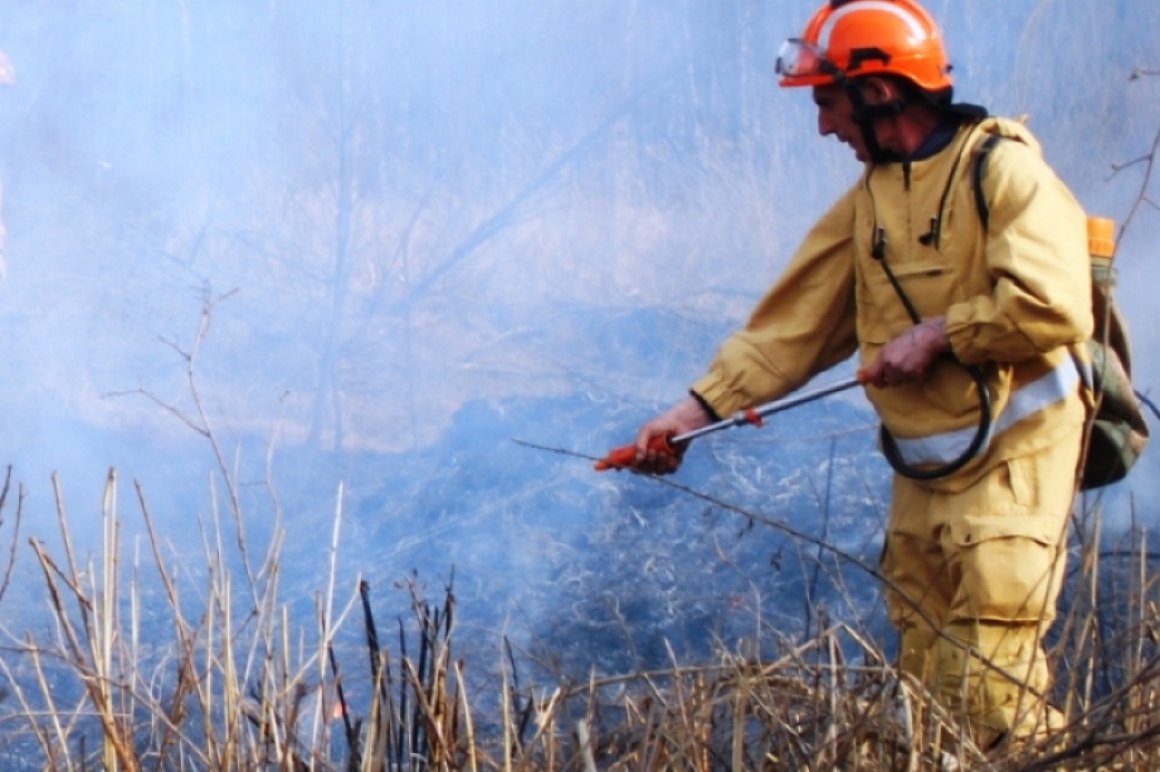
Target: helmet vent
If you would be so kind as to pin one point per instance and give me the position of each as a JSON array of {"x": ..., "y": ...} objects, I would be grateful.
[{"x": 859, "y": 56}]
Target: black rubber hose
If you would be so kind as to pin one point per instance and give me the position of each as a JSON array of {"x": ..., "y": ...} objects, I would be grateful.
[{"x": 894, "y": 456}]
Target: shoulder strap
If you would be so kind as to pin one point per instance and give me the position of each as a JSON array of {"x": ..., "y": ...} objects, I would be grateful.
[{"x": 977, "y": 177}]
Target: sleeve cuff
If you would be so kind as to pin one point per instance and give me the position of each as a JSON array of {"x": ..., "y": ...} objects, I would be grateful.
[{"x": 704, "y": 403}]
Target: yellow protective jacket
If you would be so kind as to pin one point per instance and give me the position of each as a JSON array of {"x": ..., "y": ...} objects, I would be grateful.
[{"x": 1017, "y": 300}]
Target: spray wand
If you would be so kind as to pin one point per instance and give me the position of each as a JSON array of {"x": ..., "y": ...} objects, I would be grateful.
[{"x": 625, "y": 457}]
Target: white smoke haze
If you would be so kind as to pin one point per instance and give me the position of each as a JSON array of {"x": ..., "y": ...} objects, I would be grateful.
[{"x": 421, "y": 230}]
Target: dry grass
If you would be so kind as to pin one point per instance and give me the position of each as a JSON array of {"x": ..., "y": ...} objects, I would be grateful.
[{"x": 239, "y": 684}]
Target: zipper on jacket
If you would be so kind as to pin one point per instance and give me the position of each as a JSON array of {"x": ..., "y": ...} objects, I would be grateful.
[{"x": 934, "y": 235}]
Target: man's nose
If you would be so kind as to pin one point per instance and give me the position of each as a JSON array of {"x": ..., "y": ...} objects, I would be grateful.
[{"x": 825, "y": 125}]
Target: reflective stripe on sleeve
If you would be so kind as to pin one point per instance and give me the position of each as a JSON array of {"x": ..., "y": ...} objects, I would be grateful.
[{"x": 1031, "y": 398}]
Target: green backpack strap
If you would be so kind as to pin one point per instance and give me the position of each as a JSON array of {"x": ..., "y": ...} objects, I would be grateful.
[{"x": 1118, "y": 432}]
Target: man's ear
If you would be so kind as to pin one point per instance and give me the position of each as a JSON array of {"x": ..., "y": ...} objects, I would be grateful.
[{"x": 877, "y": 91}]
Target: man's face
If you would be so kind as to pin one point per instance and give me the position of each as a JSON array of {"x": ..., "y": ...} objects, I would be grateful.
[{"x": 836, "y": 116}]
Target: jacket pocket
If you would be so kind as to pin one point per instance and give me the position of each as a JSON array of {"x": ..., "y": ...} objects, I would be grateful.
[
  {"x": 1010, "y": 569},
  {"x": 882, "y": 314}
]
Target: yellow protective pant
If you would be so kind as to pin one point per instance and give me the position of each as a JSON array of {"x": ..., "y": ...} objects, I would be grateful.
[{"x": 972, "y": 583}]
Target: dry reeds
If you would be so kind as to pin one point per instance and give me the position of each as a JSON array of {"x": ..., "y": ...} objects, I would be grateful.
[{"x": 239, "y": 681}]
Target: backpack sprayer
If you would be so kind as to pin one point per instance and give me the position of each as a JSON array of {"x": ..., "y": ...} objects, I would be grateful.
[{"x": 625, "y": 457}]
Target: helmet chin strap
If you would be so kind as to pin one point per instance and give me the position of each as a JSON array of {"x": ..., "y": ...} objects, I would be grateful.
[{"x": 866, "y": 114}]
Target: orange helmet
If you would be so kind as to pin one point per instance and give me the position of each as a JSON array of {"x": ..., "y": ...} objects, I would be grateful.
[{"x": 854, "y": 38}]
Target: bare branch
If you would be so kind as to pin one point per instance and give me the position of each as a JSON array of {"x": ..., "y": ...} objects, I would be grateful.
[
  {"x": 15, "y": 526},
  {"x": 172, "y": 409},
  {"x": 1142, "y": 198}
]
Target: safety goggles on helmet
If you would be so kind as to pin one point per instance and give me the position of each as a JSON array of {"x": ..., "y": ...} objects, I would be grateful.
[{"x": 799, "y": 59}]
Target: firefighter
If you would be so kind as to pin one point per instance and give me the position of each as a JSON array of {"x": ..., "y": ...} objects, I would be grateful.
[{"x": 965, "y": 333}]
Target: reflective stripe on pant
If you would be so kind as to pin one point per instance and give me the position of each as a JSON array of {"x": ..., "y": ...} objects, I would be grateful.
[{"x": 975, "y": 577}]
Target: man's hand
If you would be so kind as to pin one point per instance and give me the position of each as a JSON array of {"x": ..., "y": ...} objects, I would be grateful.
[
  {"x": 908, "y": 356},
  {"x": 685, "y": 416}
]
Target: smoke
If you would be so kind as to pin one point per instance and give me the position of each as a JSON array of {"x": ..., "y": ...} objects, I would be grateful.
[{"x": 369, "y": 232}]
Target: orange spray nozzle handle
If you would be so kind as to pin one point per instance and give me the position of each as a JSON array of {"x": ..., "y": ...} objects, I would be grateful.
[{"x": 625, "y": 457}]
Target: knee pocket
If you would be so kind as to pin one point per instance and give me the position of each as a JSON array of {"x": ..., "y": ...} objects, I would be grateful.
[{"x": 1010, "y": 571}]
